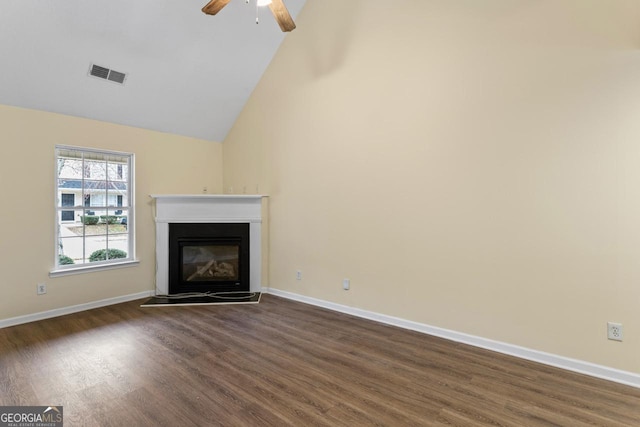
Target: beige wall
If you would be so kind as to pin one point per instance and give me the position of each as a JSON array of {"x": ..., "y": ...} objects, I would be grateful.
[
  {"x": 164, "y": 164},
  {"x": 472, "y": 165}
]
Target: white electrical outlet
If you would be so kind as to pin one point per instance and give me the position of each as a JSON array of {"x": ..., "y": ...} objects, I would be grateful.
[
  {"x": 41, "y": 289},
  {"x": 299, "y": 275},
  {"x": 346, "y": 284},
  {"x": 614, "y": 331}
]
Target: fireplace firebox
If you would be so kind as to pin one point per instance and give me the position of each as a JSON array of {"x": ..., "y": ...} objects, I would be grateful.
[{"x": 208, "y": 257}]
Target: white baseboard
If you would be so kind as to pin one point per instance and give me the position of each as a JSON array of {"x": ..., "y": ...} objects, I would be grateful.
[
  {"x": 587, "y": 368},
  {"x": 4, "y": 323}
]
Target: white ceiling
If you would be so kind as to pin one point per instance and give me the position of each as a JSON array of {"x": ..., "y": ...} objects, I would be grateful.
[{"x": 187, "y": 73}]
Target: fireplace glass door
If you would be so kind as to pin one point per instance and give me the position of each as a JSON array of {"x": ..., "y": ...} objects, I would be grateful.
[{"x": 210, "y": 262}]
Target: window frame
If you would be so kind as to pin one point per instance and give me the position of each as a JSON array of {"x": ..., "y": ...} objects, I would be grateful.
[{"x": 130, "y": 260}]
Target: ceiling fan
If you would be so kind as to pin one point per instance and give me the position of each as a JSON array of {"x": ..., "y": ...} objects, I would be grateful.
[{"x": 277, "y": 7}]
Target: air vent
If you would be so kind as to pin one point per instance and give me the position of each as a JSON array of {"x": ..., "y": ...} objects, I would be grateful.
[
  {"x": 116, "y": 76},
  {"x": 107, "y": 74}
]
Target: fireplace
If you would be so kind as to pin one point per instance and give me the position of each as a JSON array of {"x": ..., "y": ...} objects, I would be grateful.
[
  {"x": 215, "y": 237},
  {"x": 208, "y": 257}
]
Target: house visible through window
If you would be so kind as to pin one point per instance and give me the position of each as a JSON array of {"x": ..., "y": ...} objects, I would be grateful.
[{"x": 94, "y": 209}]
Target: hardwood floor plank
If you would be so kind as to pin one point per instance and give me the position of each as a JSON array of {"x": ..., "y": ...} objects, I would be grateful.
[
  {"x": 15, "y": 382},
  {"x": 282, "y": 363},
  {"x": 363, "y": 385}
]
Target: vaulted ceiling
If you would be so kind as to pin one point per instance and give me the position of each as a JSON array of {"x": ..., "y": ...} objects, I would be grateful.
[{"x": 187, "y": 73}]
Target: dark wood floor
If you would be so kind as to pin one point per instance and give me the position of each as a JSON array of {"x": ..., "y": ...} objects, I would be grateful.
[{"x": 283, "y": 363}]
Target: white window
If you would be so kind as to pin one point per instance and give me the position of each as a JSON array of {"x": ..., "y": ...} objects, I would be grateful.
[{"x": 94, "y": 209}]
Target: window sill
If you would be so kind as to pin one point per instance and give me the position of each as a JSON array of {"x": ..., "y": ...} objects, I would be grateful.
[{"x": 92, "y": 268}]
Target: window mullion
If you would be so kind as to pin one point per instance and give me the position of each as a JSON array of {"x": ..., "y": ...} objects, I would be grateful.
[{"x": 106, "y": 204}]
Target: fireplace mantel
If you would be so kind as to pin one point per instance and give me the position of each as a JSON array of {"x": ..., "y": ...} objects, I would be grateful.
[{"x": 207, "y": 208}]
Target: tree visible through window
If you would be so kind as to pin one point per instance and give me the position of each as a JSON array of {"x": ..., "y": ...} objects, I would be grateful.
[{"x": 94, "y": 209}]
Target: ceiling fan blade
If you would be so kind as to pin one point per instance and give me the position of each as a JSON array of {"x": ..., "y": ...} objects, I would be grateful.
[
  {"x": 214, "y": 6},
  {"x": 281, "y": 14}
]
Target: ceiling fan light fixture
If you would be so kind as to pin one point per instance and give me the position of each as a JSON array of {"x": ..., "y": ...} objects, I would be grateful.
[{"x": 277, "y": 7}]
